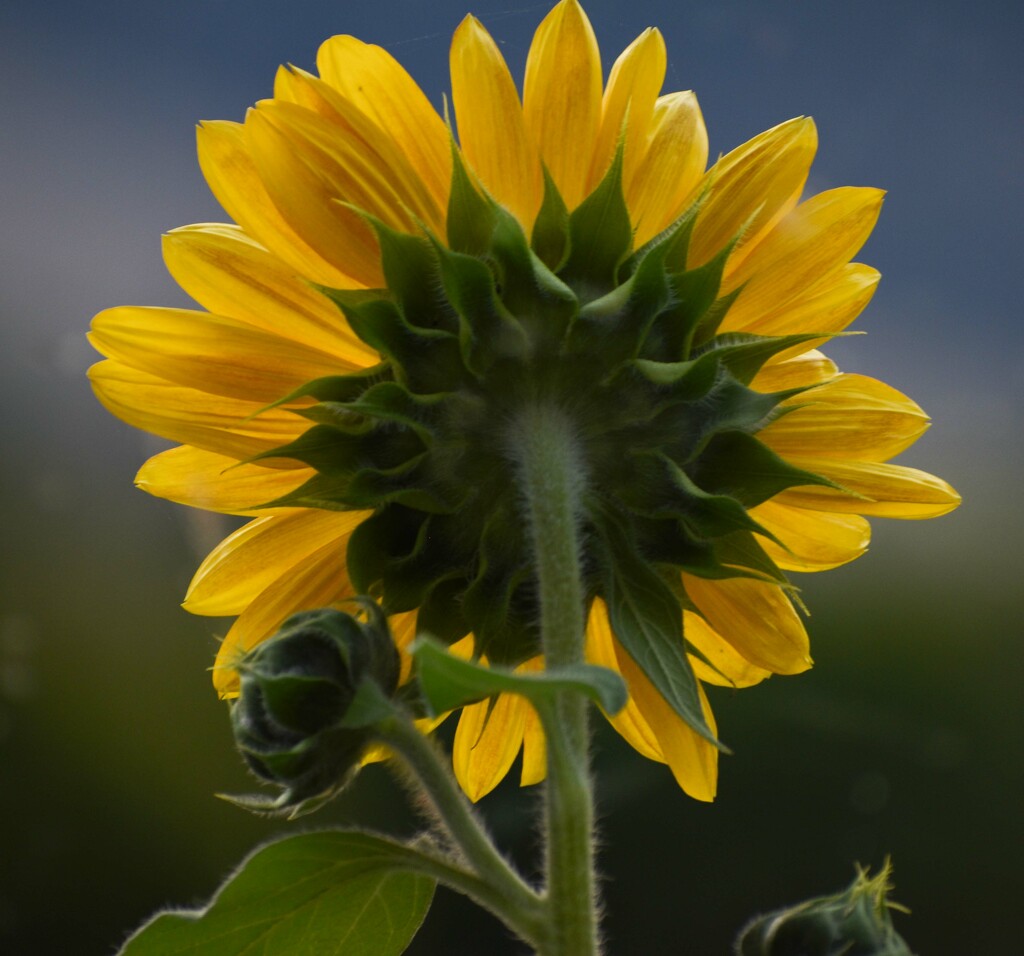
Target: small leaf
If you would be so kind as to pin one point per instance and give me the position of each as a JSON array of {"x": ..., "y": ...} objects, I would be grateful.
[
  {"x": 744, "y": 353},
  {"x": 448, "y": 682},
  {"x": 472, "y": 214},
  {"x": 330, "y": 893}
]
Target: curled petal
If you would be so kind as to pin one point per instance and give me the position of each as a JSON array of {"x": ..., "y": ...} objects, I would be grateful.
[
  {"x": 319, "y": 580},
  {"x": 230, "y": 274},
  {"x": 756, "y": 618},
  {"x": 813, "y": 540},
  {"x": 884, "y": 491},
  {"x": 851, "y": 417},
  {"x": 671, "y": 167},
  {"x": 487, "y": 742},
  {"x": 211, "y": 353},
  {"x": 248, "y": 561},
  {"x": 232, "y": 176},
  {"x": 752, "y": 188},
  {"x": 203, "y": 479},
  {"x": 226, "y": 426},
  {"x": 370, "y": 78}
]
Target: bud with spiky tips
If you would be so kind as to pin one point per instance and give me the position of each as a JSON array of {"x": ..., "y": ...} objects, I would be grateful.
[
  {"x": 299, "y": 719},
  {"x": 855, "y": 922}
]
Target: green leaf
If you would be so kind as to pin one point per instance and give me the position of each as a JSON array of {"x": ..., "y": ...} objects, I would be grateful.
[
  {"x": 600, "y": 236},
  {"x": 330, "y": 893},
  {"x": 448, "y": 682},
  {"x": 648, "y": 622}
]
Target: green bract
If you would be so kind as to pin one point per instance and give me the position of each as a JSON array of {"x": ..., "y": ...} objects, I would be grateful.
[
  {"x": 623, "y": 344},
  {"x": 855, "y": 922},
  {"x": 308, "y": 697}
]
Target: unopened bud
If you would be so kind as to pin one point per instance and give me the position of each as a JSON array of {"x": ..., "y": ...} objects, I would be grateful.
[
  {"x": 292, "y": 718},
  {"x": 855, "y": 922}
]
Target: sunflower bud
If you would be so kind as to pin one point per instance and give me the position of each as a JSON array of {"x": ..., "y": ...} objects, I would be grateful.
[
  {"x": 855, "y": 922},
  {"x": 293, "y": 720}
]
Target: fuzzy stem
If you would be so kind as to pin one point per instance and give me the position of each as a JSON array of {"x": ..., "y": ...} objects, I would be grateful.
[
  {"x": 552, "y": 479},
  {"x": 493, "y": 883}
]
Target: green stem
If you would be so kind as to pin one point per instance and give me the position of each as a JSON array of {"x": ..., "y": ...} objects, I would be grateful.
[
  {"x": 552, "y": 479},
  {"x": 493, "y": 883}
]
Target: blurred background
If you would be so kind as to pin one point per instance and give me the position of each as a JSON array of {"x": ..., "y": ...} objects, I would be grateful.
[{"x": 907, "y": 737}]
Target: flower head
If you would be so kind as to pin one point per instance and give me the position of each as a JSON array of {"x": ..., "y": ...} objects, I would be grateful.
[{"x": 389, "y": 302}]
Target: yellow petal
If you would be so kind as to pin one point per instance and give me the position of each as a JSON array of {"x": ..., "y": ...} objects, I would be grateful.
[
  {"x": 671, "y": 167},
  {"x": 228, "y": 273},
  {"x": 492, "y": 132},
  {"x": 203, "y": 479},
  {"x": 209, "y": 352},
  {"x": 232, "y": 177},
  {"x": 814, "y": 540},
  {"x": 817, "y": 238},
  {"x": 756, "y": 618},
  {"x": 535, "y": 751},
  {"x": 828, "y": 306},
  {"x": 885, "y": 491},
  {"x": 809, "y": 368},
  {"x": 692, "y": 760},
  {"x": 317, "y": 581},
  {"x": 214, "y": 423},
  {"x": 628, "y": 722},
  {"x": 752, "y": 188},
  {"x": 728, "y": 668},
  {"x": 562, "y": 96},
  {"x": 369, "y": 77},
  {"x": 487, "y": 742},
  {"x": 374, "y": 144},
  {"x": 853, "y": 416},
  {"x": 632, "y": 90},
  {"x": 247, "y": 562},
  {"x": 310, "y": 173}
]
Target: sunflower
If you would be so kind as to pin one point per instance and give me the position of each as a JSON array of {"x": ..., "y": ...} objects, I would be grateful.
[{"x": 387, "y": 296}]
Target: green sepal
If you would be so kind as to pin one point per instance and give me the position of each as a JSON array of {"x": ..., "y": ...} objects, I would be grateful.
[
  {"x": 411, "y": 275},
  {"x": 600, "y": 236},
  {"x": 550, "y": 238},
  {"x": 389, "y": 534},
  {"x": 447, "y": 682},
  {"x": 334, "y": 388},
  {"x": 695, "y": 306},
  {"x": 744, "y": 354},
  {"x": 441, "y": 614},
  {"x": 737, "y": 464},
  {"x": 409, "y": 483},
  {"x": 682, "y": 381},
  {"x": 705, "y": 515},
  {"x": 647, "y": 620},
  {"x": 332, "y": 451},
  {"x": 615, "y": 326},
  {"x": 472, "y": 214},
  {"x": 488, "y": 333},
  {"x": 741, "y": 550},
  {"x": 428, "y": 360},
  {"x": 675, "y": 236},
  {"x": 501, "y": 569},
  {"x": 299, "y": 895}
]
